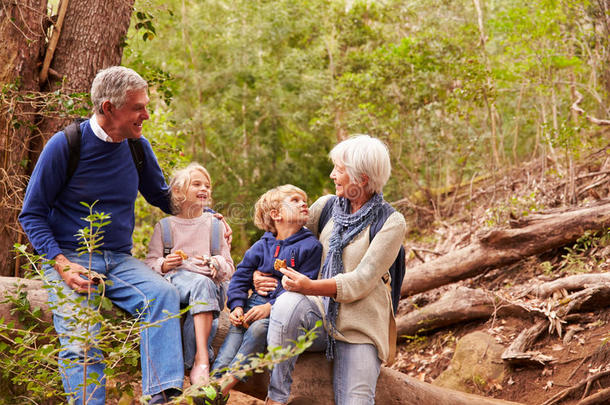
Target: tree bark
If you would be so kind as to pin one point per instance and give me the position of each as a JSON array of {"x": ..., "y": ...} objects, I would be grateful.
[
  {"x": 575, "y": 282},
  {"x": 92, "y": 37},
  {"x": 312, "y": 375},
  {"x": 502, "y": 247},
  {"x": 517, "y": 353},
  {"x": 23, "y": 37},
  {"x": 313, "y": 384},
  {"x": 459, "y": 305}
]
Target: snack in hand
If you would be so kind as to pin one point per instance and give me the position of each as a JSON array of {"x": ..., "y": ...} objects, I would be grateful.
[
  {"x": 183, "y": 255},
  {"x": 279, "y": 264},
  {"x": 243, "y": 322}
]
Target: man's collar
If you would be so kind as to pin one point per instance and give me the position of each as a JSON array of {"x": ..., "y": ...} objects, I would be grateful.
[{"x": 98, "y": 131}]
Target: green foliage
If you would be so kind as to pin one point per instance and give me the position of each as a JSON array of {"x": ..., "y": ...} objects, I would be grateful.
[
  {"x": 262, "y": 90},
  {"x": 578, "y": 258}
]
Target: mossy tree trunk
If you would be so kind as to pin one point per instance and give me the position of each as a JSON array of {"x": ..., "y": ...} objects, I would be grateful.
[{"x": 88, "y": 37}]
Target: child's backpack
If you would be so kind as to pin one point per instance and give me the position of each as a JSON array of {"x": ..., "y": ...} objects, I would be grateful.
[
  {"x": 168, "y": 241},
  {"x": 73, "y": 135},
  {"x": 397, "y": 269}
]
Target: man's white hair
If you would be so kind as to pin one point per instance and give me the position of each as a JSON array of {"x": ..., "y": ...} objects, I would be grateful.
[
  {"x": 112, "y": 84},
  {"x": 364, "y": 155}
]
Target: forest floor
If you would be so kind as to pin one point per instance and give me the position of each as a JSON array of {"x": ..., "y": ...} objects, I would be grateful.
[{"x": 536, "y": 187}]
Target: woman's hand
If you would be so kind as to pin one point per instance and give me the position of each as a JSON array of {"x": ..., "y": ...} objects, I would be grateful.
[
  {"x": 257, "y": 312},
  {"x": 171, "y": 261},
  {"x": 295, "y": 281},
  {"x": 236, "y": 317},
  {"x": 263, "y": 283}
]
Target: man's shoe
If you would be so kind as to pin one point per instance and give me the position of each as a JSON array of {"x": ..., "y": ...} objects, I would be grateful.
[{"x": 164, "y": 396}]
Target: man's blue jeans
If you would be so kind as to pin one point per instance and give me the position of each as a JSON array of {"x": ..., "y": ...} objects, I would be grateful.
[
  {"x": 136, "y": 289},
  {"x": 356, "y": 367},
  {"x": 241, "y": 343}
]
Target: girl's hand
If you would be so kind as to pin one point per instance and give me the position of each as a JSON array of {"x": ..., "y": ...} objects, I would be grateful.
[
  {"x": 236, "y": 317},
  {"x": 263, "y": 283},
  {"x": 208, "y": 266},
  {"x": 295, "y": 281},
  {"x": 257, "y": 312},
  {"x": 171, "y": 261}
]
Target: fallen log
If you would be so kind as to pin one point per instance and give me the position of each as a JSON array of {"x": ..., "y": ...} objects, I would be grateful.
[
  {"x": 313, "y": 373},
  {"x": 569, "y": 283},
  {"x": 503, "y": 247},
  {"x": 518, "y": 355},
  {"x": 459, "y": 305},
  {"x": 591, "y": 298},
  {"x": 464, "y": 304},
  {"x": 313, "y": 385},
  {"x": 584, "y": 385}
]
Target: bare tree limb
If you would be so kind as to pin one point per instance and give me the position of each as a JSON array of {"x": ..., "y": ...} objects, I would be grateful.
[{"x": 501, "y": 247}]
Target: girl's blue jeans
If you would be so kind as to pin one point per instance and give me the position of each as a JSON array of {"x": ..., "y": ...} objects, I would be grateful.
[
  {"x": 241, "y": 343},
  {"x": 356, "y": 367},
  {"x": 203, "y": 295},
  {"x": 134, "y": 288}
]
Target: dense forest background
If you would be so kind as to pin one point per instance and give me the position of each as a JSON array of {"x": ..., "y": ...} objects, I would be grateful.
[{"x": 259, "y": 91}]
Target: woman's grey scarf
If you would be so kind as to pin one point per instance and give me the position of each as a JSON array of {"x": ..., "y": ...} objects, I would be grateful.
[{"x": 346, "y": 227}]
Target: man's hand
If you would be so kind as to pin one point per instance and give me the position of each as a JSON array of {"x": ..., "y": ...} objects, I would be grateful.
[
  {"x": 73, "y": 274},
  {"x": 236, "y": 317},
  {"x": 171, "y": 261},
  {"x": 257, "y": 312},
  {"x": 263, "y": 282},
  {"x": 228, "y": 234}
]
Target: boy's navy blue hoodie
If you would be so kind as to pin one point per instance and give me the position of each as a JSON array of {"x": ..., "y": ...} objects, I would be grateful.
[{"x": 302, "y": 252}]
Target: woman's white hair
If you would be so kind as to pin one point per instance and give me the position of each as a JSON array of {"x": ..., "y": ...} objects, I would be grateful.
[
  {"x": 364, "y": 155},
  {"x": 112, "y": 84}
]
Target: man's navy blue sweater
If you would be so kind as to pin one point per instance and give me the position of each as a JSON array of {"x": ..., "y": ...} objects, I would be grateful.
[
  {"x": 52, "y": 211},
  {"x": 302, "y": 251}
]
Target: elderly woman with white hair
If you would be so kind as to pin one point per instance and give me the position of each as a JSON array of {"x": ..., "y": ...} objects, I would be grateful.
[{"x": 351, "y": 295}]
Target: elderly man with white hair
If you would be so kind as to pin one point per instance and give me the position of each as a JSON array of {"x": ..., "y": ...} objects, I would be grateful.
[
  {"x": 52, "y": 214},
  {"x": 351, "y": 295}
]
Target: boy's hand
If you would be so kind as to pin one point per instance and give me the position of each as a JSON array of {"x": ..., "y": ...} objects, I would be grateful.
[
  {"x": 257, "y": 312},
  {"x": 171, "y": 261},
  {"x": 263, "y": 283},
  {"x": 236, "y": 316}
]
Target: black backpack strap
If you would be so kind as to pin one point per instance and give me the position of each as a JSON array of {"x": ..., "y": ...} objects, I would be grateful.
[
  {"x": 326, "y": 214},
  {"x": 73, "y": 136},
  {"x": 137, "y": 153},
  {"x": 386, "y": 211}
]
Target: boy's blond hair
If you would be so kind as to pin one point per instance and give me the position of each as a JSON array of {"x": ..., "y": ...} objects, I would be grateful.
[
  {"x": 272, "y": 200},
  {"x": 180, "y": 182}
]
